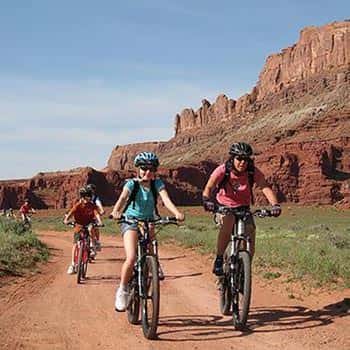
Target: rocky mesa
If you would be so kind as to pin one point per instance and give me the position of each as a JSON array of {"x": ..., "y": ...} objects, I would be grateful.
[{"x": 297, "y": 119}]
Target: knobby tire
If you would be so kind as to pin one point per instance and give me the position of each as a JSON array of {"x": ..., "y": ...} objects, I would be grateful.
[
  {"x": 80, "y": 267},
  {"x": 150, "y": 303},
  {"x": 133, "y": 308},
  {"x": 241, "y": 300},
  {"x": 225, "y": 289}
]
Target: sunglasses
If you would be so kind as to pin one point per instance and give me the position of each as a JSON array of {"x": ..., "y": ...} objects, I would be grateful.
[
  {"x": 241, "y": 159},
  {"x": 145, "y": 168}
]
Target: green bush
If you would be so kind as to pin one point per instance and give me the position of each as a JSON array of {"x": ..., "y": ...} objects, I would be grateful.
[{"x": 20, "y": 249}]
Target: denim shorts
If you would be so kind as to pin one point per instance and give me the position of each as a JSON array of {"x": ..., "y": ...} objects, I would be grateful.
[{"x": 126, "y": 227}]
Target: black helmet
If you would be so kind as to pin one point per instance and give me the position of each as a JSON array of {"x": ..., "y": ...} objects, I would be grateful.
[
  {"x": 241, "y": 149},
  {"x": 84, "y": 192},
  {"x": 91, "y": 187}
]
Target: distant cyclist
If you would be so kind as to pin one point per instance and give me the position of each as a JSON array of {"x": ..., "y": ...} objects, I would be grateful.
[
  {"x": 234, "y": 183},
  {"x": 96, "y": 200},
  {"x": 10, "y": 214},
  {"x": 25, "y": 211},
  {"x": 139, "y": 199},
  {"x": 84, "y": 212}
]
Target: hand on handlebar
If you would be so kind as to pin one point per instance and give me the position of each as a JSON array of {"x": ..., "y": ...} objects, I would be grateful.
[
  {"x": 276, "y": 210},
  {"x": 180, "y": 216},
  {"x": 116, "y": 215},
  {"x": 208, "y": 205}
]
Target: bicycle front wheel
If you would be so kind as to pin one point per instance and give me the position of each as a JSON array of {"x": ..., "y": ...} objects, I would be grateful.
[
  {"x": 80, "y": 266},
  {"x": 86, "y": 257},
  {"x": 150, "y": 299},
  {"x": 225, "y": 288},
  {"x": 241, "y": 290},
  {"x": 133, "y": 308}
]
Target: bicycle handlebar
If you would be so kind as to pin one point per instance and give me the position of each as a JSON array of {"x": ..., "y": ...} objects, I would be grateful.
[
  {"x": 165, "y": 220},
  {"x": 93, "y": 224},
  {"x": 261, "y": 213}
]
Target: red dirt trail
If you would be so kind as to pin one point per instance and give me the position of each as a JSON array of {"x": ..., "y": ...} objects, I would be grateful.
[{"x": 50, "y": 311}]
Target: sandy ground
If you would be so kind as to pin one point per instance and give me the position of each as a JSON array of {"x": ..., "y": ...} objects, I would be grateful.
[{"x": 50, "y": 311}]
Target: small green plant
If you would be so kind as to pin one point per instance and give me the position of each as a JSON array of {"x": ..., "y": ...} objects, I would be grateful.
[{"x": 271, "y": 275}]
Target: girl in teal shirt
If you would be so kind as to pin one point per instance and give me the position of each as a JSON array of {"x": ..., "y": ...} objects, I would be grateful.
[{"x": 143, "y": 207}]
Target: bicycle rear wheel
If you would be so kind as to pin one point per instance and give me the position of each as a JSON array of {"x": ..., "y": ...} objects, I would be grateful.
[
  {"x": 133, "y": 308},
  {"x": 241, "y": 290},
  {"x": 150, "y": 300},
  {"x": 225, "y": 289}
]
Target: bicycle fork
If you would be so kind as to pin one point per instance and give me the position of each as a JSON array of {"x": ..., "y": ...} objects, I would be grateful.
[{"x": 237, "y": 239}]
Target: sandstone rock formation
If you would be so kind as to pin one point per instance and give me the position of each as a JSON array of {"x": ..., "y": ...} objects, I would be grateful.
[{"x": 297, "y": 119}]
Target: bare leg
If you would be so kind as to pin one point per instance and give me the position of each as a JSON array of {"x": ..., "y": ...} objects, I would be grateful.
[
  {"x": 224, "y": 234},
  {"x": 130, "y": 246}
]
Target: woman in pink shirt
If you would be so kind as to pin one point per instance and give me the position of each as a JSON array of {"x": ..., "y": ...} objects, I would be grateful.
[{"x": 235, "y": 190}]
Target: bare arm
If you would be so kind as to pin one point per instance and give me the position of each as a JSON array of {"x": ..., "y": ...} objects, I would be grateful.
[
  {"x": 120, "y": 204},
  {"x": 267, "y": 191},
  {"x": 100, "y": 207},
  {"x": 170, "y": 205},
  {"x": 211, "y": 184},
  {"x": 68, "y": 216},
  {"x": 98, "y": 217}
]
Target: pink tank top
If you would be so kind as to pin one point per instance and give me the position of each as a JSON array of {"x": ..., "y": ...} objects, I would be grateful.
[{"x": 236, "y": 192}]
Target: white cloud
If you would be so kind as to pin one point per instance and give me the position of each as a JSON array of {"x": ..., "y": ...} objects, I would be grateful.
[
  {"x": 59, "y": 125},
  {"x": 32, "y": 100}
]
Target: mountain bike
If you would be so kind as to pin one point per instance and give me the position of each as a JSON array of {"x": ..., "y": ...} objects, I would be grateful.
[
  {"x": 144, "y": 283},
  {"x": 82, "y": 250},
  {"x": 27, "y": 221},
  {"x": 236, "y": 283}
]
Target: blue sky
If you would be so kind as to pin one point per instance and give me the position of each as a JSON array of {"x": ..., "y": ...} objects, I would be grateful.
[{"x": 78, "y": 77}]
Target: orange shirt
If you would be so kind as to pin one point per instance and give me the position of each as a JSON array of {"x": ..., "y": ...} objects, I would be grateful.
[
  {"x": 25, "y": 209},
  {"x": 84, "y": 213}
]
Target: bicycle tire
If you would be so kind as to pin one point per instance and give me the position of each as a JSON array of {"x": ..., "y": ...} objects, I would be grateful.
[
  {"x": 133, "y": 308},
  {"x": 150, "y": 281},
  {"x": 27, "y": 225},
  {"x": 85, "y": 261},
  {"x": 225, "y": 289},
  {"x": 80, "y": 267},
  {"x": 242, "y": 291}
]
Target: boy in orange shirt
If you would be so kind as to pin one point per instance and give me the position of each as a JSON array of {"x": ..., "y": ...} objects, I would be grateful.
[{"x": 85, "y": 213}]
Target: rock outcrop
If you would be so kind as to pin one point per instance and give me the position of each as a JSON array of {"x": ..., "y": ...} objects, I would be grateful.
[
  {"x": 319, "y": 61},
  {"x": 297, "y": 119}
]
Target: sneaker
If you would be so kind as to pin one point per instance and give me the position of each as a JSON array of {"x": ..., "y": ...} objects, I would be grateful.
[
  {"x": 71, "y": 270},
  {"x": 92, "y": 253},
  {"x": 121, "y": 300},
  {"x": 98, "y": 246},
  {"x": 160, "y": 273},
  {"x": 218, "y": 266}
]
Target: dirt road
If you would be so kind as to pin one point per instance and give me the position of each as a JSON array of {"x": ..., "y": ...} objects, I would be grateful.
[{"x": 50, "y": 311}]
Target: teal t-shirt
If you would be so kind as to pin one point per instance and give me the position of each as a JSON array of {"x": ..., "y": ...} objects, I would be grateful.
[{"x": 144, "y": 201}]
